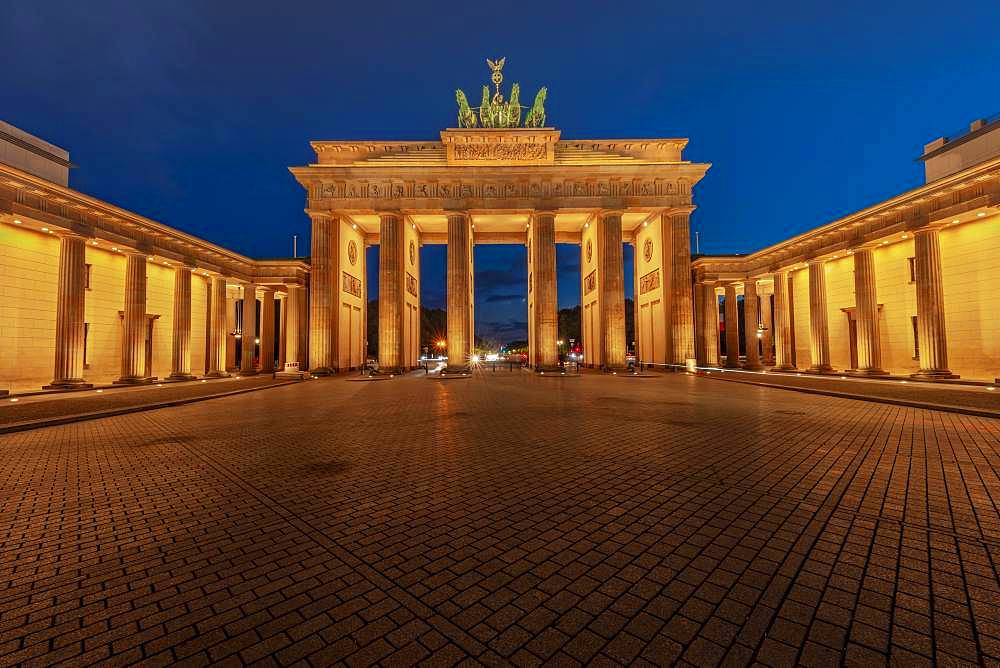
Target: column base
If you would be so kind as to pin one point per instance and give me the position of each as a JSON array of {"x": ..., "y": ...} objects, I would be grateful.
[
  {"x": 784, "y": 368},
  {"x": 456, "y": 369},
  {"x": 134, "y": 381},
  {"x": 934, "y": 374},
  {"x": 68, "y": 384},
  {"x": 322, "y": 371},
  {"x": 247, "y": 372},
  {"x": 820, "y": 369},
  {"x": 866, "y": 373},
  {"x": 182, "y": 376},
  {"x": 753, "y": 367},
  {"x": 271, "y": 370},
  {"x": 217, "y": 374}
]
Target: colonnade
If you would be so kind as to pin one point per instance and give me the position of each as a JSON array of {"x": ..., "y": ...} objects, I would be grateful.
[
  {"x": 68, "y": 370},
  {"x": 932, "y": 345}
]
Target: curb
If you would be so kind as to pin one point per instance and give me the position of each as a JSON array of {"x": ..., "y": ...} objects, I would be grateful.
[
  {"x": 112, "y": 412},
  {"x": 861, "y": 397}
]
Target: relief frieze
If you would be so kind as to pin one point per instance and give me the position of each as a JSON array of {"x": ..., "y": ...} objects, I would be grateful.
[
  {"x": 495, "y": 189},
  {"x": 505, "y": 152},
  {"x": 351, "y": 285},
  {"x": 649, "y": 282}
]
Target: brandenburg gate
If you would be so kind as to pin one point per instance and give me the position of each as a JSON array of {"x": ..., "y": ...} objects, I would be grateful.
[{"x": 496, "y": 180}]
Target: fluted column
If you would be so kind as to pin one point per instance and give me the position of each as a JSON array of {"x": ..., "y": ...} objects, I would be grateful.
[
  {"x": 610, "y": 273},
  {"x": 543, "y": 247},
  {"x": 267, "y": 331},
  {"x": 70, "y": 306},
  {"x": 219, "y": 328},
  {"x": 767, "y": 325},
  {"x": 282, "y": 330},
  {"x": 782, "y": 323},
  {"x": 681, "y": 306},
  {"x": 459, "y": 297},
  {"x": 819, "y": 331},
  {"x": 751, "y": 325},
  {"x": 229, "y": 328},
  {"x": 866, "y": 308},
  {"x": 248, "y": 342},
  {"x": 732, "y": 328},
  {"x": 180, "y": 359},
  {"x": 392, "y": 238},
  {"x": 133, "y": 367},
  {"x": 322, "y": 295},
  {"x": 709, "y": 324},
  {"x": 293, "y": 324},
  {"x": 932, "y": 341}
]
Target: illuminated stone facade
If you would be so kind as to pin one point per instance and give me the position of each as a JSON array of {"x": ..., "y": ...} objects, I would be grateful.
[
  {"x": 507, "y": 186},
  {"x": 902, "y": 287},
  {"x": 97, "y": 294}
]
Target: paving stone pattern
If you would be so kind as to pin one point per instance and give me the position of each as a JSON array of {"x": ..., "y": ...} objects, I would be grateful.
[
  {"x": 504, "y": 520},
  {"x": 943, "y": 394},
  {"x": 55, "y": 405}
]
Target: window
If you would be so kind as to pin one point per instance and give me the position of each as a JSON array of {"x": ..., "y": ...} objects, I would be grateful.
[
  {"x": 911, "y": 263},
  {"x": 916, "y": 338},
  {"x": 86, "y": 333},
  {"x": 86, "y": 276}
]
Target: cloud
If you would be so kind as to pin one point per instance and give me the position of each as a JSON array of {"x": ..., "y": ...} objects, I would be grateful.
[{"x": 504, "y": 297}]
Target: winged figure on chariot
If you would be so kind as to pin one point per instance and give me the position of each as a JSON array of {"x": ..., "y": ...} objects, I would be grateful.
[{"x": 493, "y": 111}]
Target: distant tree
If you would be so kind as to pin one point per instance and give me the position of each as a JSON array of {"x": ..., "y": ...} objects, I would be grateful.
[
  {"x": 570, "y": 328},
  {"x": 569, "y": 324},
  {"x": 517, "y": 346},
  {"x": 629, "y": 323}
]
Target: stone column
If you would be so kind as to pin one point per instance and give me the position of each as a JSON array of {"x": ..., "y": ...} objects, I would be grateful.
[
  {"x": 819, "y": 332},
  {"x": 459, "y": 279},
  {"x": 322, "y": 295},
  {"x": 732, "y": 328},
  {"x": 303, "y": 320},
  {"x": 229, "y": 327},
  {"x": 610, "y": 273},
  {"x": 767, "y": 337},
  {"x": 710, "y": 324},
  {"x": 134, "y": 322},
  {"x": 866, "y": 309},
  {"x": 782, "y": 324},
  {"x": 282, "y": 329},
  {"x": 218, "y": 339},
  {"x": 249, "y": 333},
  {"x": 180, "y": 365},
  {"x": 681, "y": 306},
  {"x": 392, "y": 261},
  {"x": 932, "y": 341},
  {"x": 267, "y": 331},
  {"x": 293, "y": 323},
  {"x": 70, "y": 308},
  {"x": 543, "y": 246},
  {"x": 751, "y": 325}
]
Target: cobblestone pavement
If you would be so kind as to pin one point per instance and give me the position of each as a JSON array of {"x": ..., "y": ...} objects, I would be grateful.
[
  {"x": 944, "y": 394},
  {"x": 52, "y": 405},
  {"x": 508, "y": 519}
]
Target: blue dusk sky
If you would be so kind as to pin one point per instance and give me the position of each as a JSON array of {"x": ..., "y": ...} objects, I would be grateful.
[{"x": 190, "y": 112}]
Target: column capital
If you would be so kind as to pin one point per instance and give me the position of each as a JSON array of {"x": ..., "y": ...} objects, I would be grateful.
[
  {"x": 680, "y": 211},
  {"x": 457, "y": 213},
  {"x": 608, "y": 213}
]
